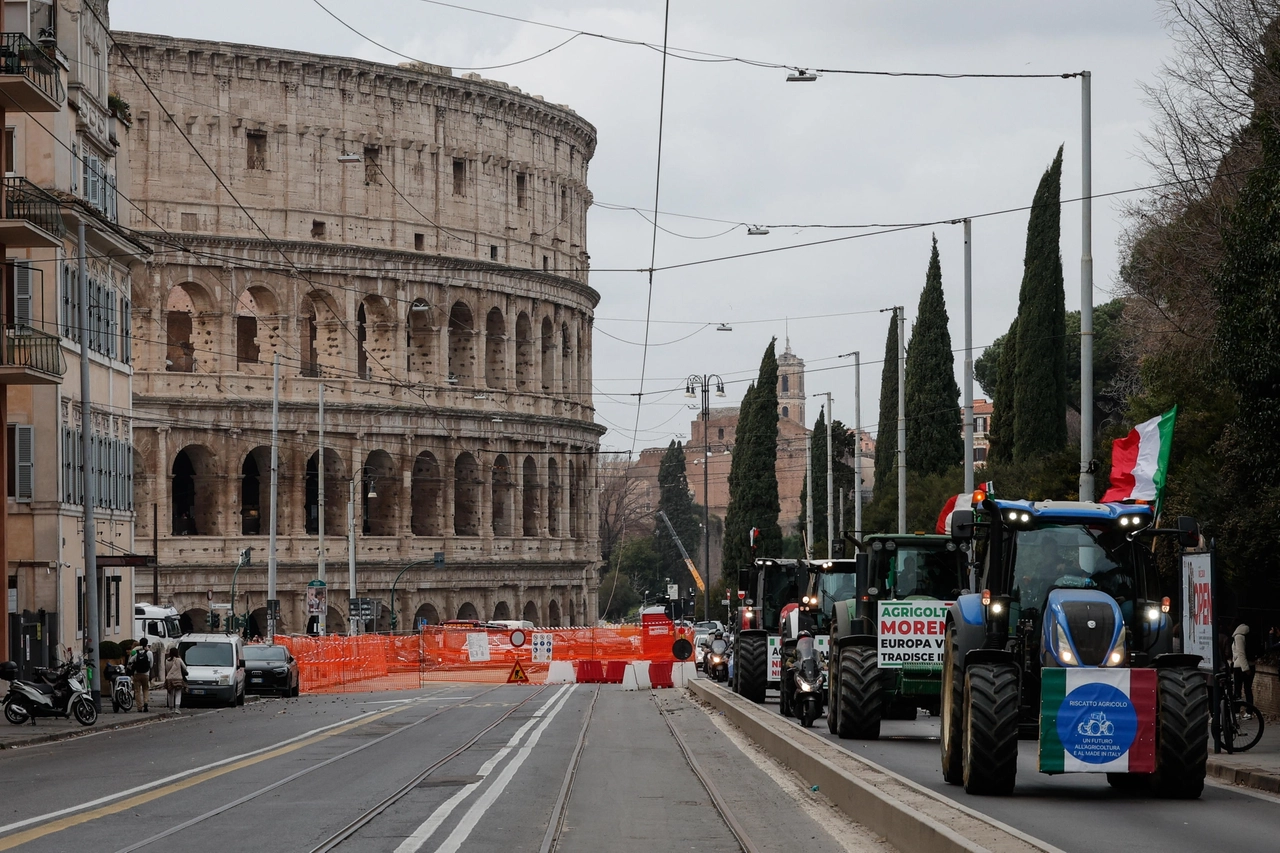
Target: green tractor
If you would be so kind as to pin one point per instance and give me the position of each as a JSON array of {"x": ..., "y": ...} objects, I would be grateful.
[
  {"x": 770, "y": 585},
  {"x": 886, "y": 631}
]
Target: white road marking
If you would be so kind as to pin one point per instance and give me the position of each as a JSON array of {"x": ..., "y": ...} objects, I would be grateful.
[
  {"x": 427, "y": 828},
  {"x": 7, "y": 828}
]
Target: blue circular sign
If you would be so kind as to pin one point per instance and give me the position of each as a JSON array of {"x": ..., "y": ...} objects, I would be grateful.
[{"x": 1097, "y": 723}]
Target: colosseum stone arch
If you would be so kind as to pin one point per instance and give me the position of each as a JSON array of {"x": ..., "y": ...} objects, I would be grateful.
[{"x": 452, "y": 336}]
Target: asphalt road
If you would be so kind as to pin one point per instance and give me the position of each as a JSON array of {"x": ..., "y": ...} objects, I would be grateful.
[
  {"x": 1080, "y": 812},
  {"x": 287, "y": 775}
]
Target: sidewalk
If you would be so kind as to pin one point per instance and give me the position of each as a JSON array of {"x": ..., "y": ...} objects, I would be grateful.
[
  {"x": 49, "y": 729},
  {"x": 1258, "y": 768}
]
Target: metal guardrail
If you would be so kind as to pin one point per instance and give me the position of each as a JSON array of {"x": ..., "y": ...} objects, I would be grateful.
[
  {"x": 25, "y": 346},
  {"x": 20, "y": 55},
  {"x": 25, "y": 200}
]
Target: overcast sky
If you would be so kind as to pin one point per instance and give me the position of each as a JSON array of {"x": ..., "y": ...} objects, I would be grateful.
[{"x": 743, "y": 145}]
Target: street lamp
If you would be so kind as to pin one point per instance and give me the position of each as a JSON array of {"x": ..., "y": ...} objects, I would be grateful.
[
  {"x": 394, "y": 620},
  {"x": 693, "y": 384}
]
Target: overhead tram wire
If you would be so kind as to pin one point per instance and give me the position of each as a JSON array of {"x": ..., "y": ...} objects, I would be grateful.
[{"x": 653, "y": 246}]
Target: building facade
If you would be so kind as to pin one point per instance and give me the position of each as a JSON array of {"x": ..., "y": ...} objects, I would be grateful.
[
  {"x": 62, "y": 171},
  {"x": 414, "y": 244}
]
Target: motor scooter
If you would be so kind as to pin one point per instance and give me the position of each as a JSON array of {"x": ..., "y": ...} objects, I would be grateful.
[
  {"x": 57, "y": 692},
  {"x": 802, "y": 683},
  {"x": 121, "y": 687},
  {"x": 716, "y": 662}
]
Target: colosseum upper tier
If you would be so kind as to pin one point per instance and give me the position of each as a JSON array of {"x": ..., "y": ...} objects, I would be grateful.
[{"x": 412, "y": 242}]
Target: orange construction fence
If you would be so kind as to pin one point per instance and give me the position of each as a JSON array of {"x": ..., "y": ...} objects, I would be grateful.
[{"x": 368, "y": 662}]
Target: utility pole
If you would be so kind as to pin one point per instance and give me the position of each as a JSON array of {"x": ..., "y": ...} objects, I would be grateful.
[
  {"x": 351, "y": 556},
  {"x": 808, "y": 503},
  {"x": 1087, "y": 492},
  {"x": 273, "y": 603},
  {"x": 320, "y": 567},
  {"x": 93, "y": 634},
  {"x": 857, "y": 456},
  {"x": 831, "y": 483},
  {"x": 704, "y": 383},
  {"x": 968, "y": 357},
  {"x": 901, "y": 314}
]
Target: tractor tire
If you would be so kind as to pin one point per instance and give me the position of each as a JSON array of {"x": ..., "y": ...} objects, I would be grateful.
[
  {"x": 861, "y": 702},
  {"x": 833, "y": 694},
  {"x": 1182, "y": 734},
  {"x": 990, "y": 765},
  {"x": 752, "y": 667},
  {"x": 952, "y": 712}
]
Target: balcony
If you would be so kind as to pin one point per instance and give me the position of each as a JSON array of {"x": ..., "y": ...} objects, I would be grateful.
[
  {"x": 29, "y": 79},
  {"x": 29, "y": 356},
  {"x": 32, "y": 217}
]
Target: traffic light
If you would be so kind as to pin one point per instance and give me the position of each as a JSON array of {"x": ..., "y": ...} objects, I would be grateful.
[{"x": 215, "y": 621}]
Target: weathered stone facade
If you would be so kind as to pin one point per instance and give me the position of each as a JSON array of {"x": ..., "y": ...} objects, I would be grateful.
[{"x": 435, "y": 282}]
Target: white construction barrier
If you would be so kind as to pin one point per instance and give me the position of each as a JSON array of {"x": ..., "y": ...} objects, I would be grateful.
[{"x": 561, "y": 672}]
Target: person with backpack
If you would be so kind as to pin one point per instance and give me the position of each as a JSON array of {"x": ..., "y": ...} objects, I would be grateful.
[{"x": 140, "y": 669}]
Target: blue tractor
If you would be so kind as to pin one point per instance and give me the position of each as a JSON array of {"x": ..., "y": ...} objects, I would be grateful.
[{"x": 1069, "y": 640}]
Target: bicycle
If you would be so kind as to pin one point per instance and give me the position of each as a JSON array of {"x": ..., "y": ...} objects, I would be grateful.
[{"x": 1237, "y": 725}]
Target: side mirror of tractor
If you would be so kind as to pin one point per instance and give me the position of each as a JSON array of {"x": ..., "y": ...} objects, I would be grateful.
[
  {"x": 1188, "y": 532},
  {"x": 962, "y": 524}
]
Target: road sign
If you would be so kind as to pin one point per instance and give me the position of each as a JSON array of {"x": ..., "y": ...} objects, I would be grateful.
[
  {"x": 209, "y": 595},
  {"x": 673, "y": 591},
  {"x": 360, "y": 608},
  {"x": 742, "y": 593},
  {"x": 517, "y": 638},
  {"x": 517, "y": 675},
  {"x": 724, "y": 603}
]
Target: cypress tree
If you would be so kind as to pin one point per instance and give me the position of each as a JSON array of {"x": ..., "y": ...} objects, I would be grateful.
[
  {"x": 1000, "y": 435},
  {"x": 675, "y": 500},
  {"x": 1039, "y": 372},
  {"x": 819, "y": 450},
  {"x": 886, "y": 460},
  {"x": 933, "y": 397},
  {"x": 753, "y": 477}
]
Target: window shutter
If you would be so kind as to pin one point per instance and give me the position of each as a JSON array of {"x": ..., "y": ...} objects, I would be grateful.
[
  {"x": 126, "y": 331},
  {"x": 22, "y": 293},
  {"x": 24, "y": 450}
]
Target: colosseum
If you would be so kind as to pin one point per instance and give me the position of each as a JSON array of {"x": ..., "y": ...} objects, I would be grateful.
[{"x": 414, "y": 244}]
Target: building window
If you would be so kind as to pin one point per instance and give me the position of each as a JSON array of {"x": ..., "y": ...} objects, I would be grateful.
[
  {"x": 459, "y": 176},
  {"x": 522, "y": 199},
  {"x": 126, "y": 330},
  {"x": 979, "y": 454},
  {"x": 10, "y": 141},
  {"x": 317, "y": 229},
  {"x": 493, "y": 253},
  {"x": 372, "y": 171},
  {"x": 190, "y": 223},
  {"x": 419, "y": 242},
  {"x": 546, "y": 264},
  {"x": 720, "y": 433},
  {"x": 786, "y": 412},
  {"x": 22, "y": 472},
  {"x": 786, "y": 385},
  {"x": 256, "y": 150}
]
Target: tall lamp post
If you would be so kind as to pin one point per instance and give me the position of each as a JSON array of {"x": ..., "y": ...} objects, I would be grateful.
[
  {"x": 369, "y": 492},
  {"x": 694, "y": 384},
  {"x": 395, "y": 582}
]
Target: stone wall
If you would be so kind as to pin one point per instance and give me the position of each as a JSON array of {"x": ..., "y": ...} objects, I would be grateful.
[{"x": 436, "y": 289}]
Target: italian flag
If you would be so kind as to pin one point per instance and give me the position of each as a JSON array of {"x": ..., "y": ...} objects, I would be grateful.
[
  {"x": 1097, "y": 720},
  {"x": 1140, "y": 461}
]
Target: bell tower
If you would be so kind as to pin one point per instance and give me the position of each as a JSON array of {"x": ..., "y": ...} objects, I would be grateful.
[{"x": 791, "y": 396}]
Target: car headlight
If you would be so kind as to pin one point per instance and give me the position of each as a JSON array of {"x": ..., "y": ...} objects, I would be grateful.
[
  {"x": 1116, "y": 656},
  {"x": 1063, "y": 646},
  {"x": 224, "y": 680},
  {"x": 280, "y": 671}
]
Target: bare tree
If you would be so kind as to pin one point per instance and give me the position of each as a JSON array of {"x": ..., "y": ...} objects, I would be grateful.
[{"x": 622, "y": 510}]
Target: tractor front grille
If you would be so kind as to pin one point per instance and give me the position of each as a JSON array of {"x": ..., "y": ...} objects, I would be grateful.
[{"x": 1092, "y": 644}]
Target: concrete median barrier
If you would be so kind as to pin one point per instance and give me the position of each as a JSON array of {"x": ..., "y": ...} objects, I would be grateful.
[{"x": 909, "y": 816}]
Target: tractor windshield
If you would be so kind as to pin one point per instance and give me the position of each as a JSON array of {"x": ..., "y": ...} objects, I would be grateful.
[
  {"x": 833, "y": 586},
  {"x": 782, "y": 586},
  {"x": 912, "y": 570},
  {"x": 1073, "y": 557}
]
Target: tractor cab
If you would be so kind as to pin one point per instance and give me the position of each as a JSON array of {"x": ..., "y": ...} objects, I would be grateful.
[
  {"x": 831, "y": 581},
  {"x": 770, "y": 585}
]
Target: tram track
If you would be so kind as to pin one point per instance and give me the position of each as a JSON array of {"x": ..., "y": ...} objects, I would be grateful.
[{"x": 254, "y": 795}]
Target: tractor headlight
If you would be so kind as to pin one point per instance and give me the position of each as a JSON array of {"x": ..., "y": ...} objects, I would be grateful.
[
  {"x": 1063, "y": 646},
  {"x": 1116, "y": 656}
]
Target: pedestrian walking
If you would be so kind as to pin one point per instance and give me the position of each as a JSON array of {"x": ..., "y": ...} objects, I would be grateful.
[
  {"x": 140, "y": 669},
  {"x": 1241, "y": 663},
  {"x": 175, "y": 679}
]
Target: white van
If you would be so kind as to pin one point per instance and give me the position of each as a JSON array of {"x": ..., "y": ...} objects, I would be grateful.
[
  {"x": 215, "y": 667},
  {"x": 161, "y": 628}
]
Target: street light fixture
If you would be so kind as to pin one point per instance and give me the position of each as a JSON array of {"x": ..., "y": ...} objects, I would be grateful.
[
  {"x": 346, "y": 157},
  {"x": 757, "y": 230},
  {"x": 800, "y": 75},
  {"x": 704, "y": 384}
]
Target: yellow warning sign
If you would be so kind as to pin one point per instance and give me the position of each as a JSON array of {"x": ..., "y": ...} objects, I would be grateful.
[{"x": 517, "y": 675}]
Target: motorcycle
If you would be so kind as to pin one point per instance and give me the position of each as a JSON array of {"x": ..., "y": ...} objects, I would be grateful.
[
  {"x": 716, "y": 662},
  {"x": 121, "y": 687},
  {"x": 57, "y": 692},
  {"x": 803, "y": 683}
]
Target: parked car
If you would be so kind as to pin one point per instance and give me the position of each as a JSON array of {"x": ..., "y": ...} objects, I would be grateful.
[
  {"x": 270, "y": 669},
  {"x": 215, "y": 667}
]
